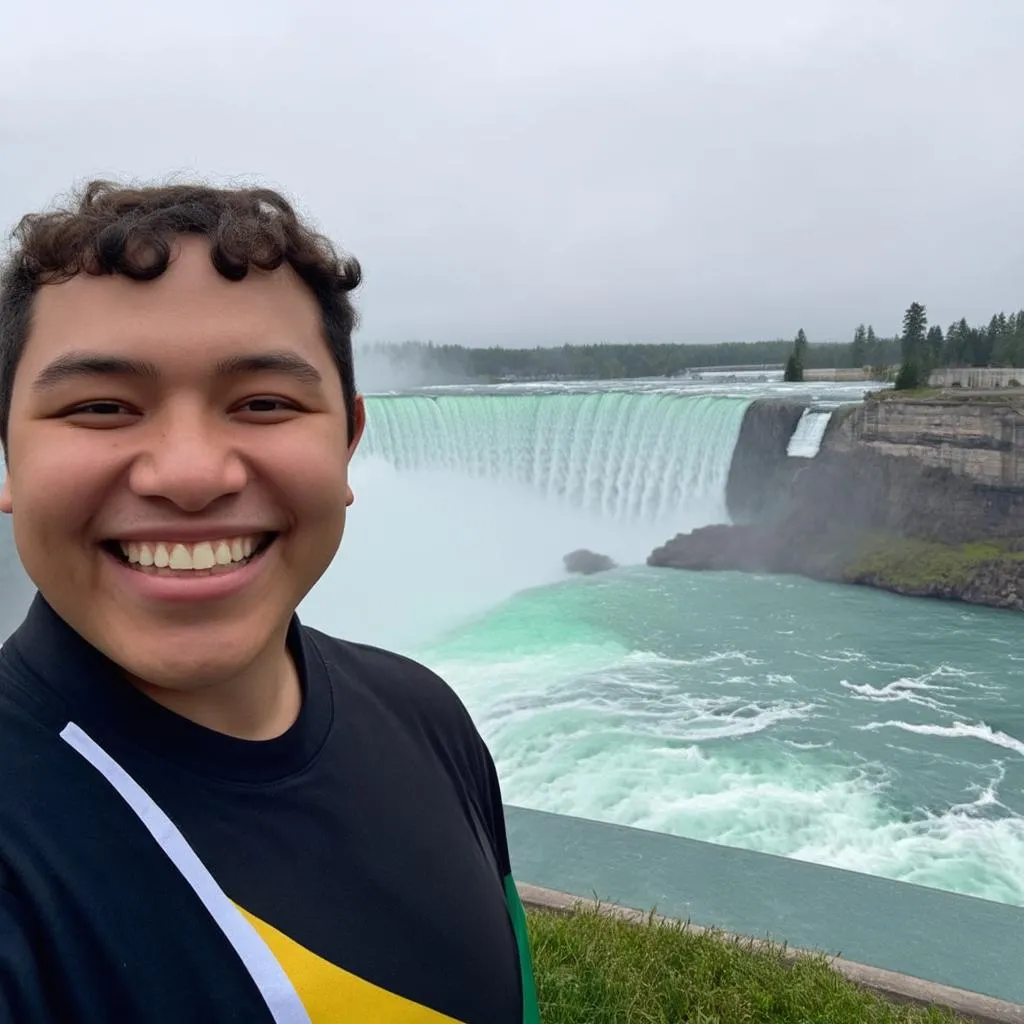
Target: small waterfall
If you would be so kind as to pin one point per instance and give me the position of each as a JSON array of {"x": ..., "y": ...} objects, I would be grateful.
[
  {"x": 626, "y": 457},
  {"x": 810, "y": 431}
]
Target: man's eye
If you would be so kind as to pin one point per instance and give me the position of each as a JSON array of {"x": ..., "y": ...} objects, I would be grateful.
[
  {"x": 264, "y": 404},
  {"x": 100, "y": 409}
]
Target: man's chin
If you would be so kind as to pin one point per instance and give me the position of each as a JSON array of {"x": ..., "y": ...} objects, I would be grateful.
[{"x": 190, "y": 655}]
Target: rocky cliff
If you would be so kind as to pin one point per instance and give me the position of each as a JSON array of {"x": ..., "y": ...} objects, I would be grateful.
[
  {"x": 919, "y": 496},
  {"x": 979, "y": 438},
  {"x": 760, "y": 467}
]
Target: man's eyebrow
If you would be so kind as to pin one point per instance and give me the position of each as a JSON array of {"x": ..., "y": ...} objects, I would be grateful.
[
  {"x": 85, "y": 364},
  {"x": 72, "y": 365},
  {"x": 271, "y": 362}
]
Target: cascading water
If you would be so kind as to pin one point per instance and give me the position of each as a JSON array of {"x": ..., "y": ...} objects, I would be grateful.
[
  {"x": 627, "y": 457},
  {"x": 810, "y": 432},
  {"x": 463, "y": 500}
]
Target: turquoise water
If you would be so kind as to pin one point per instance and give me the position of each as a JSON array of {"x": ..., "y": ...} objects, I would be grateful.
[{"x": 837, "y": 725}]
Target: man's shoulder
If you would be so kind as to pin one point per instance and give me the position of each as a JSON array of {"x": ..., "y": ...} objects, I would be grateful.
[
  {"x": 389, "y": 673},
  {"x": 407, "y": 696},
  {"x": 27, "y": 720},
  {"x": 31, "y": 752}
]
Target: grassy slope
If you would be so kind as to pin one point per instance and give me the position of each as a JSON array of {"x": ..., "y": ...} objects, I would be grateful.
[
  {"x": 592, "y": 969},
  {"x": 926, "y": 567},
  {"x": 917, "y": 564}
]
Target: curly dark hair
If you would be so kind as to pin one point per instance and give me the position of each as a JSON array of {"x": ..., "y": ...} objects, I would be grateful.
[{"x": 114, "y": 229}]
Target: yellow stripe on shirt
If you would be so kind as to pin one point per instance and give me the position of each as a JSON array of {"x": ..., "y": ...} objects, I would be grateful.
[{"x": 333, "y": 995}]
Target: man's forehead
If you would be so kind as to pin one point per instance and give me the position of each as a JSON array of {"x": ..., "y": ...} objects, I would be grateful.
[{"x": 191, "y": 306}]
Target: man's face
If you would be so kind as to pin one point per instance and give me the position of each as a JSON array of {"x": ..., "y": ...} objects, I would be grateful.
[{"x": 178, "y": 463}]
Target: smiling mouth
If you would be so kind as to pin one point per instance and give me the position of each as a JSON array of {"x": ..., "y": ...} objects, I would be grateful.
[{"x": 189, "y": 561}]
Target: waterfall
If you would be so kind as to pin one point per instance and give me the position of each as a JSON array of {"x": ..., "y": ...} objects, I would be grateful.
[
  {"x": 810, "y": 431},
  {"x": 624, "y": 457}
]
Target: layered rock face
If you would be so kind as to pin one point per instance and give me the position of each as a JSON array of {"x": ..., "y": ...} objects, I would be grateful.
[
  {"x": 940, "y": 473},
  {"x": 978, "y": 439}
]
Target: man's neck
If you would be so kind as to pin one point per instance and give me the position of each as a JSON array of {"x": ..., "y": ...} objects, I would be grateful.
[{"x": 259, "y": 704}]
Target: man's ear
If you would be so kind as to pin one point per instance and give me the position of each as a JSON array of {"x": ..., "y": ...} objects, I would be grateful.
[
  {"x": 6, "y": 501},
  {"x": 358, "y": 425}
]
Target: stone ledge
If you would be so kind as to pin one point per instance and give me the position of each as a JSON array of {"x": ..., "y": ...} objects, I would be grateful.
[{"x": 890, "y": 984}]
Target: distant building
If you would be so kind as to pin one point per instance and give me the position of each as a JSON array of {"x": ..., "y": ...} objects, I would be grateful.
[{"x": 982, "y": 378}]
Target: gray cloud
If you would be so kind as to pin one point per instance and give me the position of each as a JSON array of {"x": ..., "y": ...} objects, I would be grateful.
[{"x": 567, "y": 170}]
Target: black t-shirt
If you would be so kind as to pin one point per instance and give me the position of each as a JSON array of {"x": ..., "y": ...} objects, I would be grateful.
[{"x": 154, "y": 871}]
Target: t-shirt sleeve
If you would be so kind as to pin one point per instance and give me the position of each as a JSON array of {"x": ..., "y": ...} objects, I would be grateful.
[
  {"x": 495, "y": 816},
  {"x": 22, "y": 991}
]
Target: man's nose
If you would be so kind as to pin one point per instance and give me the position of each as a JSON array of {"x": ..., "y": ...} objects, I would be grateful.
[{"x": 191, "y": 460}]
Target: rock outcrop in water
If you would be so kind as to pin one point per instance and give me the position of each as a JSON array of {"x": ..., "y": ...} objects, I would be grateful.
[
  {"x": 919, "y": 497},
  {"x": 587, "y": 562}
]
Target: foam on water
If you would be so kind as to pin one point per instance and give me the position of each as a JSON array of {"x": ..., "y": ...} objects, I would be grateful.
[
  {"x": 921, "y": 691},
  {"x": 585, "y": 758},
  {"x": 752, "y": 743},
  {"x": 959, "y": 730}
]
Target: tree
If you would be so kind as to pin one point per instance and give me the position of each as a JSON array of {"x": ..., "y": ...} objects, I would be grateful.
[
  {"x": 909, "y": 377},
  {"x": 875, "y": 348},
  {"x": 914, "y": 349},
  {"x": 933, "y": 345},
  {"x": 859, "y": 348},
  {"x": 800, "y": 346},
  {"x": 915, "y": 321},
  {"x": 797, "y": 359}
]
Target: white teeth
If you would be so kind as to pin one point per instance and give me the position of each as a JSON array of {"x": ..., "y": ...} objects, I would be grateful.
[
  {"x": 205, "y": 554},
  {"x": 202, "y": 556},
  {"x": 181, "y": 557}
]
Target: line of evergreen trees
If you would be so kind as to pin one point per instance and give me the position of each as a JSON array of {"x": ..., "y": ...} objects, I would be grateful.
[
  {"x": 924, "y": 348},
  {"x": 918, "y": 349},
  {"x": 458, "y": 363},
  {"x": 866, "y": 352}
]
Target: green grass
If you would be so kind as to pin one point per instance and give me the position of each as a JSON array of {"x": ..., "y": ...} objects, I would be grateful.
[
  {"x": 593, "y": 969},
  {"x": 920, "y": 563}
]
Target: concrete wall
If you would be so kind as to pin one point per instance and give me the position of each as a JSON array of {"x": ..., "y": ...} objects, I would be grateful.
[
  {"x": 943, "y": 937},
  {"x": 974, "y": 377},
  {"x": 980, "y": 441}
]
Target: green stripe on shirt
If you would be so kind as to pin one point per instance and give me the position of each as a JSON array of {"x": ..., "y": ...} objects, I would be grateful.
[{"x": 531, "y": 1008}]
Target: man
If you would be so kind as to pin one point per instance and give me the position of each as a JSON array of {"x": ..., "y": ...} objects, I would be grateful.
[{"x": 209, "y": 812}]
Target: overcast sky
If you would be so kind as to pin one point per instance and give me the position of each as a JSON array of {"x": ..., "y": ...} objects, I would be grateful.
[{"x": 542, "y": 171}]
